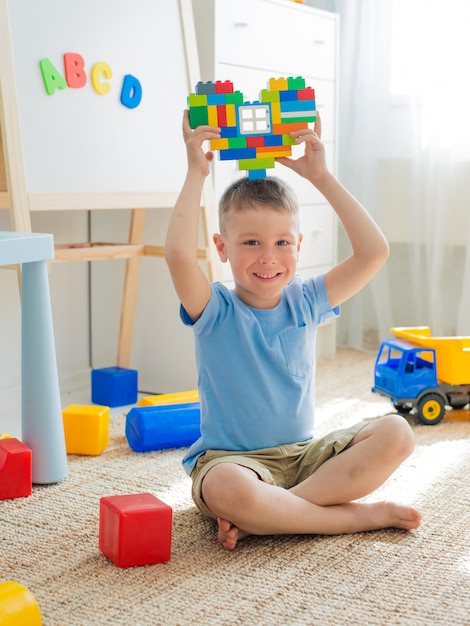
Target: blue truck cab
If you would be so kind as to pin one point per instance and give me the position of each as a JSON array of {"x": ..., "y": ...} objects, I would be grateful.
[
  {"x": 403, "y": 371},
  {"x": 407, "y": 374}
]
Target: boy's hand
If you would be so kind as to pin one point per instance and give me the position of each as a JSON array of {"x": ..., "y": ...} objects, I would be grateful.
[
  {"x": 312, "y": 164},
  {"x": 198, "y": 160}
]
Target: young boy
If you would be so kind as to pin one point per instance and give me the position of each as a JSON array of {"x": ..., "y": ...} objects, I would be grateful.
[{"x": 257, "y": 468}]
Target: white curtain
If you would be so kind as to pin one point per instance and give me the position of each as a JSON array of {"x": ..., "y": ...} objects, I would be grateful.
[{"x": 404, "y": 151}]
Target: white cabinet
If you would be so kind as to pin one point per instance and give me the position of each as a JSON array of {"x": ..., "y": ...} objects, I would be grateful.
[{"x": 250, "y": 41}]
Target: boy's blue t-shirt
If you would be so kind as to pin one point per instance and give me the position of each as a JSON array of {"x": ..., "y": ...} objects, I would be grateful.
[{"x": 256, "y": 368}]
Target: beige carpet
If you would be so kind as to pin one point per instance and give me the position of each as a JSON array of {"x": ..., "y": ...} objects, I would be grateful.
[{"x": 49, "y": 541}]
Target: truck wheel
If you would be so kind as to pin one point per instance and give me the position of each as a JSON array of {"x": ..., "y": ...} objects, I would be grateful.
[
  {"x": 404, "y": 408},
  {"x": 431, "y": 409}
]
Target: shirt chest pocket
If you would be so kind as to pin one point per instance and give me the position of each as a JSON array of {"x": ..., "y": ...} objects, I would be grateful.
[{"x": 298, "y": 347}]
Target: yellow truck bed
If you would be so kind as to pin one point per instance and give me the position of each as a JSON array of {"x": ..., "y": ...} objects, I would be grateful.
[{"x": 452, "y": 353}]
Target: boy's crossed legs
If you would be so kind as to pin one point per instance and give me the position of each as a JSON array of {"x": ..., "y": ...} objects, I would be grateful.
[{"x": 322, "y": 503}]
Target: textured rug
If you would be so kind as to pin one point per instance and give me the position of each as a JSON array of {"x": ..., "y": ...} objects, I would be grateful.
[{"x": 49, "y": 541}]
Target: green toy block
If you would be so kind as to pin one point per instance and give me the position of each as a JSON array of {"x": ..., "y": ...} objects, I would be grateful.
[
  {"x": 301, "y": 118},
  {"x": 296, "y": 83},
  {"x": 269, "y": 96},
  {"x": 256, "y": 164},
  {"x": 287, "y": 140},
  {"x": 195, "y": 100},
  {"x": 234, "y": 98},
  {"x": 237, "y": 142},
  {"x": 198, "y": 116}
]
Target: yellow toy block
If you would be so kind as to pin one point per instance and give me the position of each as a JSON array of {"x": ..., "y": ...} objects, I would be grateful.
[
  {"x": 278, "y": 84},
  {"x": 5, "y": 436},
  {"x": 213, "y": 119},
  {"x": 18, "y": 605},
  {"x": 180, "y": 397},
  {"x": 86, "y": 429},
  {"x": 219, "y": 144},
  {"x": 230, "y": 112},
  {"x": 275, "y": 112}
]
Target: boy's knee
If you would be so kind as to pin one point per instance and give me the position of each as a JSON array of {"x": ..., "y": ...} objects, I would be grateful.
[
  {"x": 399, "y": 435},
  {"x": 227, "y": 484}
]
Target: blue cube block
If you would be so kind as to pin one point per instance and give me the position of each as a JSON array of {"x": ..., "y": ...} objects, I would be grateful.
[
  {"x": 163, "y": 426},
  {"x": 114, "y": 386}
]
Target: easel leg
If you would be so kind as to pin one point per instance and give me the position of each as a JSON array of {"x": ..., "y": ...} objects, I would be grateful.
[{"x": 129, "y": 298}]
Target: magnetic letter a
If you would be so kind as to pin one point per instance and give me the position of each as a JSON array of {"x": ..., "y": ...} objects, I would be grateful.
[{"x": 51, "y": 77}]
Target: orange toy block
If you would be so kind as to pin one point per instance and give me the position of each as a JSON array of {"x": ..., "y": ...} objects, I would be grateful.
[
  {"x": 86, "y": 429},
  {"x": 15, "y": 469},
  {"x": 135, "y": 529}
]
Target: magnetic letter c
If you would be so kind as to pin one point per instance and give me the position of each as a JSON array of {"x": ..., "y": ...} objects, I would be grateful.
[{"x": 101, "y": 68}]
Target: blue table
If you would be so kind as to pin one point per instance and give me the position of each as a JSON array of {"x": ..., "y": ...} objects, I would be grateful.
[{"x": 41, "y": 412}]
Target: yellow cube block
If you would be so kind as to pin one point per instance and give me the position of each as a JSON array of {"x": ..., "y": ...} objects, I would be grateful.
[{"x": 86, "y": 429}]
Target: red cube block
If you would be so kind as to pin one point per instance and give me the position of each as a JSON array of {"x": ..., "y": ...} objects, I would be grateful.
[
  {"x": 135, "y": 529},
  {"x": 15, "y": 469}
]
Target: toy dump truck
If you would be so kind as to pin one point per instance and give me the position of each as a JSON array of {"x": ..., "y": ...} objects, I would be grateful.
[{"x": 423, "y": 373}]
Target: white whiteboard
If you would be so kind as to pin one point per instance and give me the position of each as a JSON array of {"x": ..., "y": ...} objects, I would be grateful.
[{"x": 77, "y": 141}]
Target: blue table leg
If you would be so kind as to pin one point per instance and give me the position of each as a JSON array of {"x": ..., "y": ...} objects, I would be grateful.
[{"x": 41, "y": 412}]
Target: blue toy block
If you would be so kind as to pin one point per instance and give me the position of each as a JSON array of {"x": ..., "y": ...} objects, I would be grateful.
[
  {"x": 298, "y": 105},
  {"x": 216, "y": 98},
  {"x": 255, "y": 174},
  {"x": 289, "y": 94},
  {"x": 163, "y": 426},
  {"x": 228, "y": 132},
  {"x": 114, "y": 386},
  {"x": 237, "y": 153},
  {"x": 273, "y": 140}
]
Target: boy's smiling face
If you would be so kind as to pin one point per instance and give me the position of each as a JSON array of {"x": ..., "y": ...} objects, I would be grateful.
[{"x": 262, "y": 246}]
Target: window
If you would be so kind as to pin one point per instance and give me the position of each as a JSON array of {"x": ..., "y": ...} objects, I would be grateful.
[{"x": 254, "y": 119}]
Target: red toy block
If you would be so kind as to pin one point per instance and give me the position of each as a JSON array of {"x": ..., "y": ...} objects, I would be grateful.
[
  {"x": 255, "y": 142},
  {"x": 223, "y": 87},
  {"x": 221, "y": 115},
  {"x": 135, "y": 529},
  {"x": 15, "y": 469},
  {"x": 306, "y": 94}
]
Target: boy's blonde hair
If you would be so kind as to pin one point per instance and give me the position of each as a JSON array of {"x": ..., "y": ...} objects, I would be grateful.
[{"x": 245, "y": 194}]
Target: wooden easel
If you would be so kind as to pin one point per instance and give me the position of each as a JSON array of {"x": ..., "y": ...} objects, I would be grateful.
[
  {"x": 132, "y": 250},
  {"x": 14, "y": 196}
]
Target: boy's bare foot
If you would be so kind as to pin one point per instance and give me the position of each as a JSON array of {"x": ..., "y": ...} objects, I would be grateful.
[
  {"x": 229, "y": 534},
  {"x": 391, "y": 515}
]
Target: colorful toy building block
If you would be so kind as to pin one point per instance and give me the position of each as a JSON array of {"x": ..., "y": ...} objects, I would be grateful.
[
  {"x": 86, "y": 429},
  {"x": 18, "y": 606},
  {"x": 114, "y": 386},
  {"x": 285, "y": 106},
  {"x": 15, "y": 469},
  {"x": 161, "y": 427},
  {"x": 135, "y": 529},
  {"x": 179, "y": 397}
]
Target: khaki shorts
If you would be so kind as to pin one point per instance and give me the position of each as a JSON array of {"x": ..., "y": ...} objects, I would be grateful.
[{"x": 285, "y": 466}]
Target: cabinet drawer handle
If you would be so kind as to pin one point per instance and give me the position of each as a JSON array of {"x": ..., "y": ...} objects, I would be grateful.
[
  {"x": 319, "y": 42},
  {"x": 241, "y": 24}
]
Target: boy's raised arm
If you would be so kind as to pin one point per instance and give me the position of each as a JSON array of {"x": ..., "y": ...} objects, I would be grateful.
[
  {"x": 370, "y": 249},
  {"x": 182, "y": 240}
]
